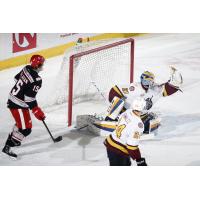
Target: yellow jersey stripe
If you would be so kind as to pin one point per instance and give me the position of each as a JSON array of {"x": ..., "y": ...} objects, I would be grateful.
[
  {"x": 131, "y": 147},
  {"x": 113, "y": 126},
  {"x": 165, "y": 92},
  {"x": 117, "y": 146}
]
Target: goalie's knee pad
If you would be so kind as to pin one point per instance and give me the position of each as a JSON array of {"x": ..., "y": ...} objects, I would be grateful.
[{"x": 115, "y": 108}]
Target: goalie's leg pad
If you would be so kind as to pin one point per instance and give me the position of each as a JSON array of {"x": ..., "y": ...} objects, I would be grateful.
[
  {"x": 115, "y": 108},
  {"x": 94, "y": 124},
  {"x": 102, "y": 128},
  {"x": 114, "y": 92},
  {"x": 106, "y": 125}
]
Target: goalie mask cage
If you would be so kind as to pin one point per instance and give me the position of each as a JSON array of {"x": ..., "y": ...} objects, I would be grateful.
[{"x": 93, "y": 72}]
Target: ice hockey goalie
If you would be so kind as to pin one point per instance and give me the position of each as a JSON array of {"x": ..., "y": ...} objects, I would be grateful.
[{"x": 122, "y": 96}]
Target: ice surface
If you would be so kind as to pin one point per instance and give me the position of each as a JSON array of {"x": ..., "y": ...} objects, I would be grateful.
[{"x": 178, "y": 140}]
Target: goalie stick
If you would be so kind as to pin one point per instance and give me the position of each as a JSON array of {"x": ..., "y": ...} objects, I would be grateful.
[
  {"x": 105, "y": 101},
  {"x": 58, "y": 139},
  {"x": 82, "y": 127},
  {"x": 94, "y": 84}
]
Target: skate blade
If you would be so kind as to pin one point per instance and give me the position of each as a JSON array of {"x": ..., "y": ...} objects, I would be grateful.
[{"x": 6, "y": 156}]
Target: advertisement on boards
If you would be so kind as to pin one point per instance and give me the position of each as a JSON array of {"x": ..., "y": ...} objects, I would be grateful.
[{"x": 23, "y": 41}]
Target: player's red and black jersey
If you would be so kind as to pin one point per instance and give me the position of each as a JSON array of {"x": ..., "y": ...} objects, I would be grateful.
[{"x": 23, "y": 94}]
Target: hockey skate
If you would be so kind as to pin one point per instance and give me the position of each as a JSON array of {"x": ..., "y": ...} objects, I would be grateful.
[{"x": 7, "y": 150}]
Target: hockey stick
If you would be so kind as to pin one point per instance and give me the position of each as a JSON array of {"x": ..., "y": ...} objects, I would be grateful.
[
  {"x": 94, "y": 84},
  {"x": 105, "y": 101},
  {"x": 78, "y": 129},
  {"x": 58, "y": 139}
]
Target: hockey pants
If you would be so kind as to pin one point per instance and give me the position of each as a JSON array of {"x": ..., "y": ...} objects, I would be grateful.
[{"x": 118, "y": 160}]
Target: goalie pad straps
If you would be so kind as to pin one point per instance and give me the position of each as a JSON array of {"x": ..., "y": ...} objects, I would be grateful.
[{"x": 115, "y": 108}]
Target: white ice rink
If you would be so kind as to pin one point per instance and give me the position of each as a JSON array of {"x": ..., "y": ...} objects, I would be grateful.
[{"x": 178, "y": 140}]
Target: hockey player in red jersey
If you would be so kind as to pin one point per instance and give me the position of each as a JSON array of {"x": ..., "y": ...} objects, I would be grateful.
[
  {"x": 21, "y": 100},
  {"x": 123, "y": 143}
]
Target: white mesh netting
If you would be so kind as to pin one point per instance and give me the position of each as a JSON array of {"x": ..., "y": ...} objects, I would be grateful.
[{"x": 94, "y": 74}]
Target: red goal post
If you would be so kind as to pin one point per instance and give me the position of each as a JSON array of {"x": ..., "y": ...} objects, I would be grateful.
[{"x": 92, "y": 51}]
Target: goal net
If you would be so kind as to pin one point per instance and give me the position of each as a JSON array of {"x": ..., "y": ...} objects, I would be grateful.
[{"x": 88, "y": 72}]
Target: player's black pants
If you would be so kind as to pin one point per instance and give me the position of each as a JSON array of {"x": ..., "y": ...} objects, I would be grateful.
[{"x": 118, "y": 160}]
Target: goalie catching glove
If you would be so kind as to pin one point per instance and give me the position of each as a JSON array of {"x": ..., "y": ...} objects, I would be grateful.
[
  {"x": 174, "y": 83},
  {"x": 38, "y": 113},
  {"x": 176, "y": 78}
]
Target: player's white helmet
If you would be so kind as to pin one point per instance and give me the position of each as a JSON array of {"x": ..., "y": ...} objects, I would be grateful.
[{"x": 138, "y": 104}]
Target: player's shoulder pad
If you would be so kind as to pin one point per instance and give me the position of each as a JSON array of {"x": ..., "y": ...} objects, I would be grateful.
[
  {"x": 140, "y": 125},
  {"x": 138, "y": 122}
]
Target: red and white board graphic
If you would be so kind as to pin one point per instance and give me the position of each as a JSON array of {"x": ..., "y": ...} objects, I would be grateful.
[{"x": 24, "y": 41}]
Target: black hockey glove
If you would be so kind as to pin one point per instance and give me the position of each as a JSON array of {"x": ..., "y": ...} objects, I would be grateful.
[
  {"x": 149, "y": 103},
  {"x": 141, "y": 162}
]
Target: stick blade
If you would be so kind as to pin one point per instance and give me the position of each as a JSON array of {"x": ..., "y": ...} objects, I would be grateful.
[{"x": 58, "y": 139}]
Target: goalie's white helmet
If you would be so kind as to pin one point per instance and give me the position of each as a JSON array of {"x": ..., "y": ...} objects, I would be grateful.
[
  {"x": 138, "y": 104},
  {"x": 147, "y": 79}
]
